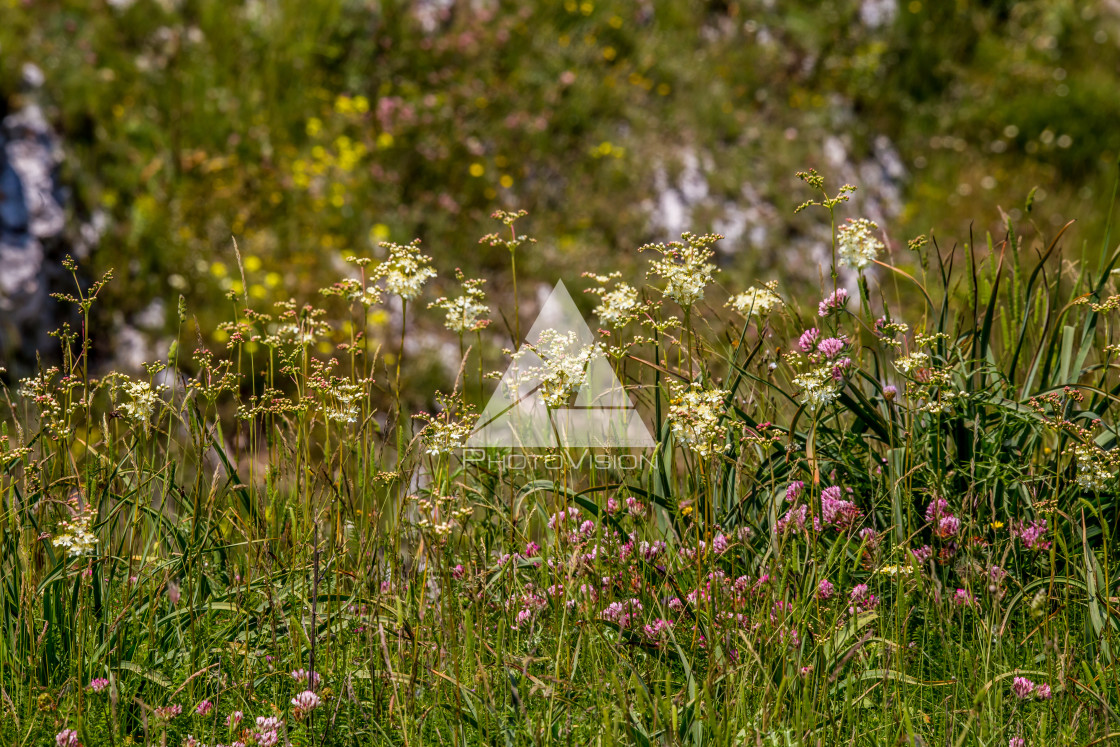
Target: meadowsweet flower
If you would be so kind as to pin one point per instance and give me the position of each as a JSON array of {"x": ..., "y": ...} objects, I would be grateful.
[
  {"x": 77, "y": 535},
  {"x": 405, "y": 270},
  {"x": 142, "y": 400},
  {"x": 857, "y": 246},
  {"x": 1094, "y": 468},
  {"x": 1022, "y": 687},
  {"x": 67, "y": 738},
  {"x": 836, "y": 300},
  {"x": 685, "y": 267},
  {"x": 465, "y": 313},
  {"x": 913, "y": 362},
  {"x": 819, "y": 387},
  {"x": 564, "y": 361},
  {"x": 97, "y": 684},
  {"x": 755, "y": 301},
  {"x": 617, "y": 307},
  {"x": 696, "y": 417},
  {"x": 305, "y": 702}
]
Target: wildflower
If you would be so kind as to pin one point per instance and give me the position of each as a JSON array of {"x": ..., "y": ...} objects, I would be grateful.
[
  {"x": 871, "y": 537},
  {"x": 836, "y": 511},
  {"x": 465, "y": 313},
  {"x": 831, "y": 347},
  {"x": 755, "y": 301},
  {"x": 142, "y": 402},
  {"x": 76, "y": 536},
  {"x": 166, "y": 713},
  {"x": 825, "y": 590},
  {"x": 1022, "y": 687},
  {"x": 204, "y": 708},
  {"x": 303, "y": 675},
  {"x": 795, "y": 517},
  {"x": 963, "y": 598},
  {"x": 936, "y": 509},
  {"x": 696, "y": 416},
  {"x": 1042, "y": 692},
  {"x": 457, "y": 572},
  {"x": 685, "y": 266},
  {"x": 98, "y": 684},
  {"x": 1016, "y": 742},
  {"x": 857, "y": 245},
  {"x": 794, "y": 489},
  {"x": 913, "y": 362},
  {"x": 1033, "y": 535},
  {"x": 890, "y": 392},
  {"x": 405, "y": 270},
  {"x": 616, "y": 307},
  {"x": 268, "y": 731},
  {"x": 922, "y": 554},
  {"x": 808, "y": 340},
  {"x": 564, "y": 361},
  {"x": 305, "y": 702},
  {"x": 894, "y": 570},
  {"x": 234, "y": 719},
  {"x": 949, "y": 526},
  {"x": 838, "y": 299},
  {"x": 819, "y": 386},
  {"x": 720, "y": 544},
  {"x": 67, "y": 738},
  {"x": 1093, "y": 469}
]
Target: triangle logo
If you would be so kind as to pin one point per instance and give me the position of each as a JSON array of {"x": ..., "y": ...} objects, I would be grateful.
[{"x": 560, "y": 390}]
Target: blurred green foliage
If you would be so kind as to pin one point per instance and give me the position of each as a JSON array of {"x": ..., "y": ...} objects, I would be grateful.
[{"x": 309, "y": 130}]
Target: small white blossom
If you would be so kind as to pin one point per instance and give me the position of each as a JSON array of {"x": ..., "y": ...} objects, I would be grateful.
[
  {"x": 857, "y": 246},
  {"x": 755, "y": 301},
  {"x": 819, "y": 386},
  {"x": 695, "y": 414},
  {"x": 405, "y": 270},
  {"x": 685, "y": 267}
]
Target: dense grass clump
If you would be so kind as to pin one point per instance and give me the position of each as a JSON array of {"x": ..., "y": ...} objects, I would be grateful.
[{"x": 880, "y": 515}]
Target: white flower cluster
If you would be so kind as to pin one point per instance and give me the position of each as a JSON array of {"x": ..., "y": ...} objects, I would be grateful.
[
  {"x": 76, "y": 536},
  {"x": 685, "y": 267},
  {"x": 142, "y": 401},
  {"x": 346, "y": 395},
  {"x": 616, "y": 307},
  {"x": 440, "y": 513},
  {"x": 443, "y": 435},
  {"x": 465, "y": 313},
  {"x": 909, "y": 363},
  {"x": 695, "y": 414},
  {"x": 819, "y": 386},
  {"x": 565, "y": 361},
  {"x": 1093, "y": 471},
  {"x": 405, "y": 270},
  {"x": 756, "y": 301},
  {"x": 858, "y": 246}
]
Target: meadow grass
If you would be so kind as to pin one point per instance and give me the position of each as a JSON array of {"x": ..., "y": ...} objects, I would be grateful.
[{"x": 873, "y": 517}]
